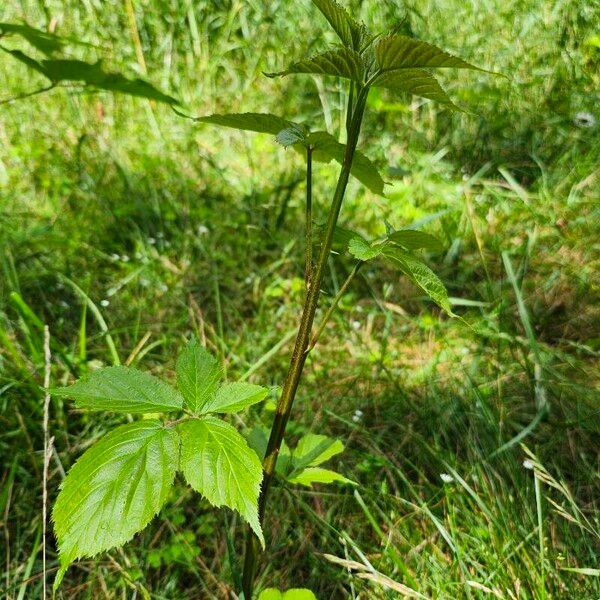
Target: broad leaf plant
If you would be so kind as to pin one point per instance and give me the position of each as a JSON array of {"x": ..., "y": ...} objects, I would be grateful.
[{"x": 122, "y": 481}]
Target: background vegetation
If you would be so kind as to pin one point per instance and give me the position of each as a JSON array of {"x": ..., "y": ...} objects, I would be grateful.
[{"x": 122, "y": 223}]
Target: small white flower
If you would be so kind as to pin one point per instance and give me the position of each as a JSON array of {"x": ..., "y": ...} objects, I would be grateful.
[
  {"x": 248, "y": 280},
  {"x": 104, "y": 302},
  {"x": 584, "y": 119},
  {"x": 151, "y": 241},
  {"x": 124, "y": 258},
  {"x": 446, "y": 478},
  {"x": 114, "y": 257},
  {"x": 357, "y": 416},
  {"x": 356, "y": 325},
  {"x": 138, "y": 255},
  {"x": 163, "y": 287},
  {"x": 528, "y": 464},
  {"x": 202, "y": 230}
]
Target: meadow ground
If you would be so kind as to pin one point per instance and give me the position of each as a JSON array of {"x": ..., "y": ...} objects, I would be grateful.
[{"x": 126, "y": 229}]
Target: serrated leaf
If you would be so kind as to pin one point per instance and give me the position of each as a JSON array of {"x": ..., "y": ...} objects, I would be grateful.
[
  {"x": 402, "y": 52},
  {"x": 314, "y": 449},
  {"x": 312, "y": 475},
  {"x": 343, "y": 62},
  {"x": 114, "y": 490},
  {"x": 412, "y": 239},
  {"x": 233, "y": 397},
  {"x": 327, "y": 148},
  {"x": 198, "y": 375},
  {"x": 362, "y": 250},
  {"x": 218, "y": 463},
  {"x": 420, "y": 274},
  {"x": 41, "y": 40},
  {"x": 122, "y": 389},
  {"x": 347, "y": 29},
  {"x": 258, "y": 122},
  {"x": 414, "y": 81}
]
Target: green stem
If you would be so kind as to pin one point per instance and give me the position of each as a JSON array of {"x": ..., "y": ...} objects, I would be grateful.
[
  {"x": 300, "y": 351},
  {"x": 308, "y": 218}
]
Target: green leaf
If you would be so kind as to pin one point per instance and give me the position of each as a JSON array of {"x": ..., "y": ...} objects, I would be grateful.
[
  {"x": 292, "y": 594},
  {"x": 218, "y": 463},
  {"x": 347, "y": 29},
  {"x": 327, "y": 148},
  {"x": 258, "y": 122},
  {"x": 312, "y": 475},
  {"x": 198, "y": 375},
  {"x": 414, "y": 81},
  {"x": 411, "y": 239},
  {"x": 362, "y": 250},
  {"x": 233, "y": 397},
  {"x": 114, "y": 490},
  {"x": 41, "y": 40},
  {"x": 343, "y": 62},
  {"x": 343, "y": 236},
  {"x": 291, "y": 135},
  {"x": 122, "y": 389},
  {"x": 421, "y": 275},
  {"x": 311, "y": 451},
  {"x": 93, "y": 74},
  {"x": 402, "y": 52},
  {"x": 26, "y": 60},
  {"x": 314, "y": 449}
]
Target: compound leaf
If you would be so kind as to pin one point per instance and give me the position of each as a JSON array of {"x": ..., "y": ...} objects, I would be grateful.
[
  {"x": 347, "y": 29},
  {"x": 198, "y": 375},
  {"x": 414, "y": 81},
  {"x": 122, "y": 389},
  {"x": 312, "y": 475},
  {"x": 233, "y": 397},
  {"x": 402, "y": 52},
  {"x": 218, "y": 463},
  {"x": 343, "y": 62},
  {"x": 114, "y": 490},
  {"x": 258, "y": 122},
  {"x": 421, "y": 275}
]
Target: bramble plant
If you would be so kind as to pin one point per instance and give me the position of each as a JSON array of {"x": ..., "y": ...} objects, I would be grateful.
[{"x": 119, "y": 484}]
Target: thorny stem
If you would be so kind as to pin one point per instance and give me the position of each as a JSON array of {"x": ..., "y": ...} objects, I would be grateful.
[{"x": 301, "y": 345}]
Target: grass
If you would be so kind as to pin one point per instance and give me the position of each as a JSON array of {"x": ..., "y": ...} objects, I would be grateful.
[{"x": 126, "y": 228}]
